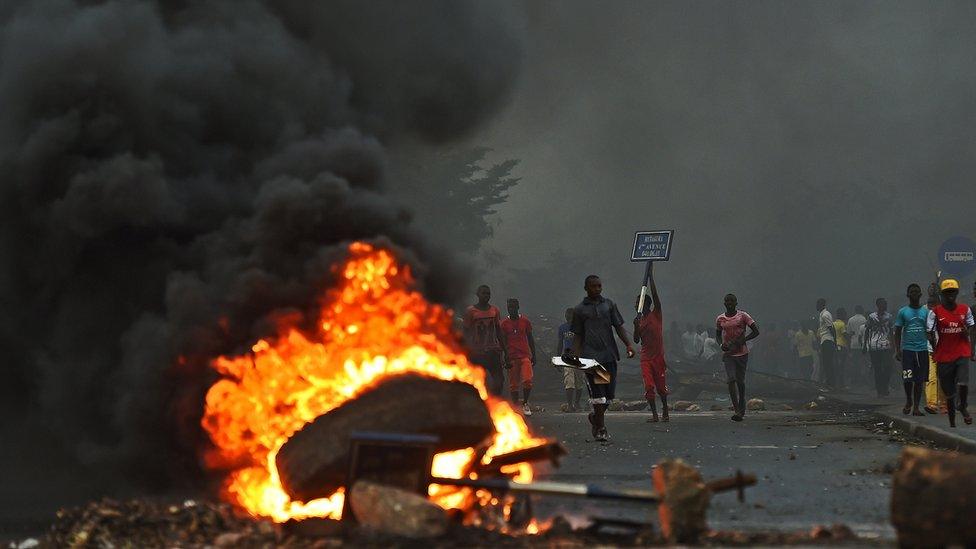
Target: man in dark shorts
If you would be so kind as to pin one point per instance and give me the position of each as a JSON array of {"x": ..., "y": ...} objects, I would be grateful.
[
  {"x": 648, "y": 331},
  {"x": 912, "y": 348},
  {"x": 953, "y": 349},
  {"x": 595, "y": 320},
  {"x": 730, "y": 329},
  {"x": 483, "y": 334}
]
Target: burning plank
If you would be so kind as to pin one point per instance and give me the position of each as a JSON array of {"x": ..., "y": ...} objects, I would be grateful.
[{"x": 315, "y": 460}]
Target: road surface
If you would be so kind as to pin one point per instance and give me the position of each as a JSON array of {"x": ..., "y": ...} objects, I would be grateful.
[{"x": 813, "y": 467}]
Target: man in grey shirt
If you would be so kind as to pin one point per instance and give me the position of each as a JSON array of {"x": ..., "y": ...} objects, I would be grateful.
[{"x": 595, "y": 320}]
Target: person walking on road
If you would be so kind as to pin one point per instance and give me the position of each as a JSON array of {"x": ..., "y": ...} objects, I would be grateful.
[
  {"x": 730, "y": 329},
  {"x": 843, "y": 345},
  {"x": 595, "y": 320},
  {"x": 484, "y": 338},
  {"x": 803, "y": 344},
  {"x": 912, "y": 348},
  {"x": 827, "y": 337},
  {"x": 877, "y": 344},
  {"x": 520, "y": 351},
  {"x": 855, "y": 335},
  {"x": 647, "y": 331},
  {"x": 573, "y": 380},
  {"x": 952, "y": 323}
]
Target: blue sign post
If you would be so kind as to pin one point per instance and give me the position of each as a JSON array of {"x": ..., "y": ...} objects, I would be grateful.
[
  {"x": 957, "y": 257},
  {"x": 650, "y": 246}
]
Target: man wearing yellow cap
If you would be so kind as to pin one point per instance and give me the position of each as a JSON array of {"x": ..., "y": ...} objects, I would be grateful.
[{"x": 953, "y": 322}]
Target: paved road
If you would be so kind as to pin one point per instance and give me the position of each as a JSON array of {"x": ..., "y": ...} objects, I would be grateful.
[{"x": 813, "y": 467}]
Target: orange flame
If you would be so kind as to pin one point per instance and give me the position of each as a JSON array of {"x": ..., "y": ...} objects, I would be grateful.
[{"x": 373, "y": 325}]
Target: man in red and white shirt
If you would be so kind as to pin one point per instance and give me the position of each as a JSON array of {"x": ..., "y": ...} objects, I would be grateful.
[
  {"x": 953, "y": 322},
  {"x": 520, "y": 349},
  {"x": 730, "y": 329}
]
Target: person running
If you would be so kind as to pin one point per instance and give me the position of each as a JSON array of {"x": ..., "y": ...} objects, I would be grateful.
[
  {"x": 520, "y": 351},
  {"x": 647, "y": 332},
  {"x": 827, "y": 337},
  {"x": 730, "y": 329},
  {"x": 953, "y": 323},
  {"x": 483, "y": 335},
  {"x": 877, "y": 344},
  {"x": 912, "y": 348},
  {"x": 573, "y": 380},
  {"x": 843, "y": 344},
  {"x": 595, "y": 320}
]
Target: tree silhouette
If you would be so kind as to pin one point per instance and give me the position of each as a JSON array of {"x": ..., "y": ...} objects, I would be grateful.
[{"x": 453, "y": 193}]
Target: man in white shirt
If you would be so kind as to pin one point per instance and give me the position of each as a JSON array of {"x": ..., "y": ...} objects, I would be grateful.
[
  {"x": 691, "y": 343},
  {"x": 827, "y": 336},
  {"x": 855, "y": 333},
  {"x": 877, "y": 343}
]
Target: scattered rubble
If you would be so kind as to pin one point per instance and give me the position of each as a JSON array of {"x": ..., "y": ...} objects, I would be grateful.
[
  {"x": 635, "y": 405},
  {"x": 755, "y": 405},
  {"x": 682, "y": 405},
  {"x": 811, "y": 406},
  {"x": 717, "y": 408},
  {"x": 208, "y": 524},
  {"x": 140, "y": 523},
  {"x": 821, "y": 535},
  {"x": 393, "y": 511}
]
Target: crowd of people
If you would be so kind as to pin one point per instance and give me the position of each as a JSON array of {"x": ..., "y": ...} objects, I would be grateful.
[{"x": 933, "y": 343}]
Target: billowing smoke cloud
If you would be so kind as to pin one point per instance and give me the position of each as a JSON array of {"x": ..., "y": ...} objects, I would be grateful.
[{"x": 175, "y": 175}]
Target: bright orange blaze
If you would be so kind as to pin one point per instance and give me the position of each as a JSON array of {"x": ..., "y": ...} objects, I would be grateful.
[{"x": 373, "y": 325}]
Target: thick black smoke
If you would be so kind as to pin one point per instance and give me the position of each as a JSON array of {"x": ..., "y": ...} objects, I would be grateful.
[{"x": 175, "y": 174}]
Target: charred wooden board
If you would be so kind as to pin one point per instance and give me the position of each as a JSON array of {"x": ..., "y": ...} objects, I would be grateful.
[{"x": 315, "y": 460}]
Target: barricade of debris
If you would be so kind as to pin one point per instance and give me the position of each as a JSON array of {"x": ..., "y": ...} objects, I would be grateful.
[{"x": 203, "y": 524}]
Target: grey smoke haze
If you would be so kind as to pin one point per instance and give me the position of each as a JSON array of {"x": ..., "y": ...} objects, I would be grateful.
[
  {"x": 800, "y": 149},
  {"x": 175, "y": 174}
]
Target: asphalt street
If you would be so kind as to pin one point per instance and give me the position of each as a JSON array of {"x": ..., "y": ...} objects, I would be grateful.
[{"x": 813, "y": 467}]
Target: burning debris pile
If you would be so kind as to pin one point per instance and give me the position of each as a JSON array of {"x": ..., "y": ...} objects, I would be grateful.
[{"x": 373, "y": 327}]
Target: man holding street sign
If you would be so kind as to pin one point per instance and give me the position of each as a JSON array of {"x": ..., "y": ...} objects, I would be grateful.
[{"x": 648, "y": 331}]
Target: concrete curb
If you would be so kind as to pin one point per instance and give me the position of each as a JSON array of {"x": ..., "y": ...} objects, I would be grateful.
[{"x": 932, "y": 434}]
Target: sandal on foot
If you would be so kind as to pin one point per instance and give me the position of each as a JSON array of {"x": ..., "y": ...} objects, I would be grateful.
[{"x": 906, "y": 410}]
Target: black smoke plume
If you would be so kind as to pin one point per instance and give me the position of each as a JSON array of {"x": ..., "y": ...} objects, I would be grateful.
[{"x": 175, "y": 174}]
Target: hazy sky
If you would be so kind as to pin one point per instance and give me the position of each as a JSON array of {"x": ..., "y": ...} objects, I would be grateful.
[{"x": 799, "y": 149}]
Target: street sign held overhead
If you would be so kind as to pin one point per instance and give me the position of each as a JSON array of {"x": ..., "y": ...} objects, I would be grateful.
[
  {"x": 957, "y": 256},
  {"x": 652, "y": 245}
]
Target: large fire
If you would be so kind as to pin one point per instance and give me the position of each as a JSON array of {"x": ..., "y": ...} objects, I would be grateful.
[{"x": 372, "y": 325}]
